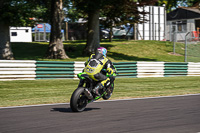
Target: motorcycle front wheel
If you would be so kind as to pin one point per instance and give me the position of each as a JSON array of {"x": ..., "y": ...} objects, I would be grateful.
[{"x": 78, "y": 100}]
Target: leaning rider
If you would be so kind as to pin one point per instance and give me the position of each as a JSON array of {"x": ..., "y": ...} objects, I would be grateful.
[{"x": 96, "y": 68}]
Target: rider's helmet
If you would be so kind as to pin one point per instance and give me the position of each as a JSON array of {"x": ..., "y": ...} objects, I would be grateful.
[{"x": 102, "y": 50}]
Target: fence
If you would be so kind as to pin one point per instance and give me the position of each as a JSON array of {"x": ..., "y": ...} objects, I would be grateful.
[
  {"x": 186, "y": 44},
  {"x": 31, "y": 70},
  {"x": 192, "y": 47}
]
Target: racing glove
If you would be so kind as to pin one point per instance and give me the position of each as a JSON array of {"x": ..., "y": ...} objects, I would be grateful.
[{"x": 110, "y": 71}]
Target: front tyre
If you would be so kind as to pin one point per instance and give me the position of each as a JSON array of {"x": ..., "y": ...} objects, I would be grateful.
[{"x": 78, "y": 100}]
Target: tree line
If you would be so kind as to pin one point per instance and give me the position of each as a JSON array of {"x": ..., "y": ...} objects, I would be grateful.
[{"x": 115, "y": 12}]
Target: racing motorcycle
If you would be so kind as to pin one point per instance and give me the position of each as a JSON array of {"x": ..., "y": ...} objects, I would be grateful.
[{"x": 84, "y": 93}]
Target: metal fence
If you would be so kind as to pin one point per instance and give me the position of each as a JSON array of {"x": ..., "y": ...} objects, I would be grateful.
[
  {"x": 192, "y": 47},
  {"x": 31, "y": 69},
  {"x": 41, "y": 33},
  {"x": 189, "y": 46}
]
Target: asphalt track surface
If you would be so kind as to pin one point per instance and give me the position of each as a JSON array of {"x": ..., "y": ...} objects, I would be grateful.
[{"x": 154, "y": 115}]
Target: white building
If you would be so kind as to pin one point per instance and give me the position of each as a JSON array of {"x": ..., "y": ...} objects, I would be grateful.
[
  {"x": 155, "y": 26},
  {"x": 20, "y": 34},
  {"x": 183, "y": 20}
]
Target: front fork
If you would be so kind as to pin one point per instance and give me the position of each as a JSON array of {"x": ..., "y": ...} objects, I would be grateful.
[{"x": 88, "y": 94}]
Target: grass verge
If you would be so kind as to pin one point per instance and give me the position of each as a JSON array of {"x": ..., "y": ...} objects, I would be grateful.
[
  {"x": 17, "y": 93},
  {"x": 118, "y": 51}
]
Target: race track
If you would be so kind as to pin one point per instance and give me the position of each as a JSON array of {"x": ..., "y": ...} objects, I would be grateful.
[{"x": 154, "y": 115}]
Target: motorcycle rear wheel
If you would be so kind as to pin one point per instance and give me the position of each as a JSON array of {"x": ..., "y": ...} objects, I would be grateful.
[
  {"x": 109, "y": 92},
  {"x": 78, "y": 100}
]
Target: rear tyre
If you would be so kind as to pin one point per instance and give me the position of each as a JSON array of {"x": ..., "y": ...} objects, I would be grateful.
[
  {"x": 78, "y": 100},
  {"x": 109, "y": 92}
]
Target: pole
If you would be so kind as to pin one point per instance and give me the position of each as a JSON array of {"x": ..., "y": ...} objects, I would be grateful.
[
  {"x": 66, "y": 31},
  {"x": 198, "y": 33},
  {"x": 155, "y": 31},
  {"x": 45, "y": 32},
  {"x": 186, "y": 46},
  {"x": 35, "y": 32},
  {"x": 174, "y": 38},
  {"x": 135, "y": 31}
]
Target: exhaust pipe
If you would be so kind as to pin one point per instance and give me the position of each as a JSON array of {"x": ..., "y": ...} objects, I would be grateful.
[{"x": 88, "y": 93}]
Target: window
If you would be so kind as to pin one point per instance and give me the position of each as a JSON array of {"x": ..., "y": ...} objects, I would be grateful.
[
  {"x": 181, "y": 25},
  {"x": 13, "y": 33},
  {"x": 173, "y": 28}
]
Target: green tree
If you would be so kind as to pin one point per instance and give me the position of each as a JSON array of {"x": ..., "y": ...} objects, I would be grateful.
[
  {"x": 115, "y": 11},
  {"x": 121, "y": 12},
  {"x": 173, "y": 4},
  {"x": 192, "y": 2},
  {"x": 70, "y": 11},
  {"x": 56, "y": 48},
  {"x": 15, "y": 13},
  {"x": 90, "y": 10},
  {"x": 19, "y": 12}
]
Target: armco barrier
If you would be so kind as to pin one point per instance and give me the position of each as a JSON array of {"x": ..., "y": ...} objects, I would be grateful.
[
  {"x": 176, "y": 69},
  {"x": 17, "y": 69},
  {"x": 193, "y": 69},
  {"x": 150, "y": 69},
  {"x": 30, "y": 69},
  {"x": 54, "y": 69},
  {"x": 126, "y": 69}
]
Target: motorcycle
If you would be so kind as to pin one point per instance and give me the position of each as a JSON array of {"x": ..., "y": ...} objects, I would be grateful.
[{"x": 84, "y": 94}]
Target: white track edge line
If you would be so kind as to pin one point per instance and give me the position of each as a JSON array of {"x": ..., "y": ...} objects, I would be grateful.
[
  {"x": 149, "y": 98},
  {"x": 26, "y": 106}
]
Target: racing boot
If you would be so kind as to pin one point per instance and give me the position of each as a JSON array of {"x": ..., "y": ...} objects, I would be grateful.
[{"x": 97, "y": 89}]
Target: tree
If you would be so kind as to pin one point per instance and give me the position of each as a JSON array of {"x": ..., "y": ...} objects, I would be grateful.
[
  {"x": 5, "y": 47},
  {"x": 90, "y": 9},
  {"x": 173, "y": 4},
  {"x": 19, "y": 12},
  {"x": 56, "y": 48},
  {"x": 193, "y": 2},
  {"x": 115, "y": 11},
  {"x": 121, "y": 12},
  {"x": 15, "y": 13},
  {"x": 93, "y": 32}
]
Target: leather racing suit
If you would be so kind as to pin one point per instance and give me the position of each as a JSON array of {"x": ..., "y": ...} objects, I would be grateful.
[{"x": 95, "y": 68}]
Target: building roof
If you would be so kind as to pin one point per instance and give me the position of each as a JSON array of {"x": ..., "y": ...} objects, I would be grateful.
[
  {"x": 41, "y": 27},
  {"x": 192, "y": 9},
  {"x": 184, "y": 13}
]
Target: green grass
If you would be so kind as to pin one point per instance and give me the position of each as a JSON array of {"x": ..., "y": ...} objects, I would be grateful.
[
  {"x": 118, "y": 51},
  {"x": 193, "y": 54},
  {"x": 14, "y": 93}
]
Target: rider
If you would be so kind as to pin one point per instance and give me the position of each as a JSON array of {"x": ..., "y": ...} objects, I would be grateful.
[{"x": 96, "y": 68}]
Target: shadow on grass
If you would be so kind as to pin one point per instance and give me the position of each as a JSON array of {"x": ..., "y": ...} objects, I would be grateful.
[
  {"x": 29, "y": 51},
  {"x": 119, "y": 56},
  {"x": 76, "y": 50},
  {"x": 75, "y": 42},
  {"x": 103, "y": 40},
  {"x": 37, "y": 50}
]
